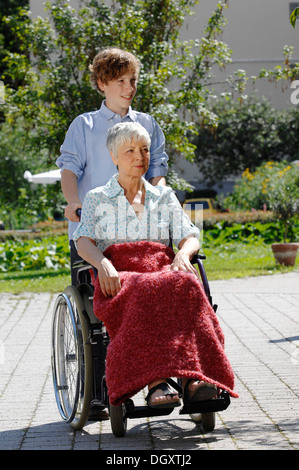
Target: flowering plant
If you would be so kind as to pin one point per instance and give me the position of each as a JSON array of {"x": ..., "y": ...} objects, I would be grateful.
[
  {"x": 283, "y": 196},
  {"x": 274, "y": 186},
  {"x": 252, "y": 190}
]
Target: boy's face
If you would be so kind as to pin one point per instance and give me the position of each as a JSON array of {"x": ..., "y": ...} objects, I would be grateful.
[{"x": 119, "y": 93}]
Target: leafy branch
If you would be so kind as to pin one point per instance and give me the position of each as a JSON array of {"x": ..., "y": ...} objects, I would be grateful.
[{"x": 293, "y": 16}]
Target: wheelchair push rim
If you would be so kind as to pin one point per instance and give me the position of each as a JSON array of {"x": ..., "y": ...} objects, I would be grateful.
[{"x": 71, "y": 358}]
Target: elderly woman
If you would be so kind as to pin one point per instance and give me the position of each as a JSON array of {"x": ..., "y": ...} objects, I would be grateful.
[{"x": 158, "y": 318}]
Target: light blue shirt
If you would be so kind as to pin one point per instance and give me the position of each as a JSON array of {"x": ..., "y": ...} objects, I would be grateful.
[
  {"x": 108, "y": 217},
  {"x": 84, "y": 150}
]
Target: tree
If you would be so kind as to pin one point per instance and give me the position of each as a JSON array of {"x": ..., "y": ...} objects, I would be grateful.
[
  {"x": 56, "y": 78},
  {"x": 22, "y": 204},
  {"x": 293, "y": 17},
  {"x": 8, "y": 41},
  {"x": 249, "y": 132},
  {"x": 174, "y": 86}
]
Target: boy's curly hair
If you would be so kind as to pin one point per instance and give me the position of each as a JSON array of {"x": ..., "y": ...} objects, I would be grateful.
[{"x": 110, "y": 63}]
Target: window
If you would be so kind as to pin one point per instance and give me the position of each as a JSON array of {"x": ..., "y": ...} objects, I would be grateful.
[{"x": 292, "y": 6}]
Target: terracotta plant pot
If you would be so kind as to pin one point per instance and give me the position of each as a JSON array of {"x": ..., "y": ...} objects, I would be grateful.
[{"x": 285, "y": 253}]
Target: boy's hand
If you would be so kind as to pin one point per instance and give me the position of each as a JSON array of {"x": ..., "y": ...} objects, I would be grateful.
[
  {"x": 70, "y": 211},
  {"x": 158, "y": 181},
  {"x": 69, "y": 186}
]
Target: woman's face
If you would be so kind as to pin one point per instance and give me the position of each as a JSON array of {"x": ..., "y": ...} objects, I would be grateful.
[{"x": 132, "y": 158}]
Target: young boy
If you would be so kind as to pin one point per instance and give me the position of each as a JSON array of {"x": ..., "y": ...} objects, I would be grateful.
[{"x": 85, "y": 160}]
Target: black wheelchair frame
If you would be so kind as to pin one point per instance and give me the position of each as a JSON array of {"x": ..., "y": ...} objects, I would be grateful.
[{"x": 79, "y": 346}]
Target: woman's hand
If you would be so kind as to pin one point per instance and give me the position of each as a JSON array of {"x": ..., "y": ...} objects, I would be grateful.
[
  {"x": 182, "y": 262},
  {"x": 108, "y": 278},
  {"x": 188, "y": 247}
]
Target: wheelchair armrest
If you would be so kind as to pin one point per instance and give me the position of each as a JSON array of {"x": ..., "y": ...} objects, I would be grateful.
[
  {"x": 81, "y": 264},
  {"x": 197, "y": 257}
]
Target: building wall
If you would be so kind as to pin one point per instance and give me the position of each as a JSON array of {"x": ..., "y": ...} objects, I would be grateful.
[
  {"x": 256, "y": 31},
  {"x": 37, "y": 7}
]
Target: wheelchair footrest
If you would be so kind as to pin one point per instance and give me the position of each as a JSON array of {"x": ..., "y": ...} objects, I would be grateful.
[
  {"x": 208, "y": 406},
  {"x": 133, "y": 411}
]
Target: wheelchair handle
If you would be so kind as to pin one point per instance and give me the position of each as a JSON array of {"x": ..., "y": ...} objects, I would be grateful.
[{"x": 78, "y": 212}]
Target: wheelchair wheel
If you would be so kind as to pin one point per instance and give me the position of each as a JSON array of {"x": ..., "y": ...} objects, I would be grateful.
[
  {"x": 196, "y": 417},
  {"x": 207, "y": 420},
  {"x": 71, "y": 358},
  {"x": 118, "y": 420}
]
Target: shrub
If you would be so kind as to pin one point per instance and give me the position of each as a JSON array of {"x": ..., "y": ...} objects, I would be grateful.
[
  {"x": 223, "y": 234},
  {"x": 283, "y": 196},
  {"x": 254, "y": 189},
  {"x": 51, "y": 253}
]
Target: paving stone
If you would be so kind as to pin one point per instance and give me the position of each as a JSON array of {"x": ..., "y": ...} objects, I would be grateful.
[{"x": 260, "y": 319}]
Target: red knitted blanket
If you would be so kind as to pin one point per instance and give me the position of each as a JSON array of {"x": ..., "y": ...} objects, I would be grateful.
[{"x": 160, "y": 324}]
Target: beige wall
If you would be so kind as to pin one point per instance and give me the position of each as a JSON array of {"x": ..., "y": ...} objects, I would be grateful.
[
  {"x": 37, "y": 6},
  {"x": 256, "y": 31}
]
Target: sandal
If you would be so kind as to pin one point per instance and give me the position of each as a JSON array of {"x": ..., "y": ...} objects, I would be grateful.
[
  {"x": 203, "y": 391},
  {"x": 162, "y": 404}
]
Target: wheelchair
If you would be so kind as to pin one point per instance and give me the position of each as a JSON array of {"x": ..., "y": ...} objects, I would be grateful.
[{"x": 78, "y": 354}]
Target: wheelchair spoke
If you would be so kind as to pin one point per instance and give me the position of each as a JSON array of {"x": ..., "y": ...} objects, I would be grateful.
[
  {"x": 67, "y": 366},
  {"x": 70, "y": 349},
  {"x": 70, "y": 354}
]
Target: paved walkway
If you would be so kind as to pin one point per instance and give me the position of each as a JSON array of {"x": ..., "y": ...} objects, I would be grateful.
[{"x": 260, "y": 319}]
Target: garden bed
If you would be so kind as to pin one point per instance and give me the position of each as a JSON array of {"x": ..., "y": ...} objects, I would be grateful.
[{"x": 49, "y": 228}]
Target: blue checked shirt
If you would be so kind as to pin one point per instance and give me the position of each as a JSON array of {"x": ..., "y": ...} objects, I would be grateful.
[{"x": 108, "y": 218}]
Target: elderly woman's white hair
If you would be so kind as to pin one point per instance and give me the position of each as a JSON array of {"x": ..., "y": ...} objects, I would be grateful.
[{"x": 125, "y": 132}]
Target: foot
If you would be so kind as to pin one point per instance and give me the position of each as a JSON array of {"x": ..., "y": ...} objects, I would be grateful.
[
  {"x": 196, "y": 390},
  {"x": 160, "y": 396},
  {"x": 97, "y": 414}
]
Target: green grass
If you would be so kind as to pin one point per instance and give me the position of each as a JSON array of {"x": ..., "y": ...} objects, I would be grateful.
[
  {"x": 233, "y": 260},
  {"x": 44, "y": 280},
  {"x": 236, "y": 260}
]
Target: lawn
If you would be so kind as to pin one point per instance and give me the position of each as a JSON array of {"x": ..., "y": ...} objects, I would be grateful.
[
  {"x": 42, "y": 280},
  {"x": 236, "y": 260},
  {"x": 233, "y": 260}
]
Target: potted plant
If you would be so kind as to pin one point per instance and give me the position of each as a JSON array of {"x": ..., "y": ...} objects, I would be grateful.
[{"x": 283, "y": 199}]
